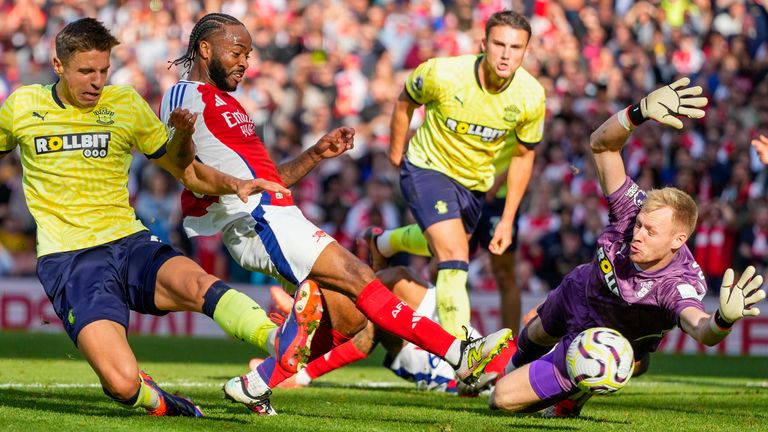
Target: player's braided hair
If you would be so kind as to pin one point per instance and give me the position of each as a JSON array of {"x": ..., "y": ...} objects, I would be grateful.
[{"x": 207, "y": 25}]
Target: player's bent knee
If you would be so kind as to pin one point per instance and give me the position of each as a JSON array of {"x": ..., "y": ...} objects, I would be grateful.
[
  {"x": 121, "y": 385},
  {"x": 358, "y": 324},
  {"x": 501, "y": 400},
  {"x": 199, "y": 284}
]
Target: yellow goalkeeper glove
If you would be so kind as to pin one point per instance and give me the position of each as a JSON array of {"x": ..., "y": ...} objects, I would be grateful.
[
  {"x": 736, "y": 300},
  {"x": 667, "y": 103}
]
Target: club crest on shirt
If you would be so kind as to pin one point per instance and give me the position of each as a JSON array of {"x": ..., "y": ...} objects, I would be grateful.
[
  {"x": 104, "y": 116},
  {"x": 645, "y": 288},
  {"x": 511, "y": 113}
]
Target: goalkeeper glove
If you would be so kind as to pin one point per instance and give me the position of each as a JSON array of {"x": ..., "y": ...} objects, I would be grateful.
[
  {"x": 666, "y": 103},
  {"x": 736, "y": 300}
]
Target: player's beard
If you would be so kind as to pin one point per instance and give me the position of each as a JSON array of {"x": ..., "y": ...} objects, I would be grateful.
[{"x": 219, "y": 76}]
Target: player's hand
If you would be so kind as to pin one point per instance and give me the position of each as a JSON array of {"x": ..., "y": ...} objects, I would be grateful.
[
  {"x": 761, "y": 146},
  {"x": 333, "y": 144},
  {"x": 502, "y": 238},
  {"x": 667, "y": 103},
  {"x": 246, "y": 188},
  {"x": 736, "y": 300},
  {"x": 182, "y": 121}
]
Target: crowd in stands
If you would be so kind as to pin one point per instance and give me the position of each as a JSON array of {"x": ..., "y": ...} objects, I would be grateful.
[{"x": 321, "y": 64}]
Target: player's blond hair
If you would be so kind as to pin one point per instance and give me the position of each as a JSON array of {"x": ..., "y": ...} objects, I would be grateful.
[{"x": 684, "y": 209}]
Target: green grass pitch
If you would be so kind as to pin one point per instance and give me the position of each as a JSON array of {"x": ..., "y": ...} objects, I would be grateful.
[{"x": 46, "y": 386}]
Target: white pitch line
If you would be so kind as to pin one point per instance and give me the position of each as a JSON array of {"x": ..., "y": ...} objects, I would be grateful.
[
  {"x": 77, "y": 385},
  {"x": 189, "y": 385},
  {"x": 321, "y": 384}
]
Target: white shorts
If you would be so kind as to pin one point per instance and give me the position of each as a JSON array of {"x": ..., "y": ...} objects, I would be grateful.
[
  {"x": 278, "y": 241},
  {"x": 426, "y": 370}
]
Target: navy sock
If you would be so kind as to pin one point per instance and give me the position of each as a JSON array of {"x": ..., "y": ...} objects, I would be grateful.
[
  {"x": 130, "y": 402},
  {"x": 212, "y": 297}
]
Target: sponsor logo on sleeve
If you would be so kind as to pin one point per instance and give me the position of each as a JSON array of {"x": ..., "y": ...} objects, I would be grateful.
[
  {"x": 636, "y": 194},
  {"x": 688, "y": 291},
  {"x": 417, "y": 85}
]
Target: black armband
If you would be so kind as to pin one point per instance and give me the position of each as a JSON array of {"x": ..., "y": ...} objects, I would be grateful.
[
  {"x": 721, "y": 322},
  {"x": 635, "y": 115}
]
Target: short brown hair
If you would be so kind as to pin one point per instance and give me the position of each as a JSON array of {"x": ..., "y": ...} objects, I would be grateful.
[
  {"x": 684, "y": 209},
  {"x": 83, "y": 35},
  {"x": 508, "y": 18}
]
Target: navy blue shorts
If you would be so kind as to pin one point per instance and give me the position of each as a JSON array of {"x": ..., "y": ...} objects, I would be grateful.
[
  {"x": 434, "y": 197},
  {"x": 490, "y": 216},
  {"x": 104, "y": 282}
]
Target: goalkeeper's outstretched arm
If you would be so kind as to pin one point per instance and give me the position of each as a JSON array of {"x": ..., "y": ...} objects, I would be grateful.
[
  {"x": 737, "y": 300},
  {"x": 664, "y": 105}
]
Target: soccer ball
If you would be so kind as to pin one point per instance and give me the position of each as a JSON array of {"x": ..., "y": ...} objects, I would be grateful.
[{"x": 600, "y": 360}]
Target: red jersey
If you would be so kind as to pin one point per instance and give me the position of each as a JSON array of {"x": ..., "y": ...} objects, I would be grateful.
[{"x": 225, "y": 139}]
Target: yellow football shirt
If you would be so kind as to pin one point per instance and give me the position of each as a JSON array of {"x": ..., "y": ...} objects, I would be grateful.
[
  {"x": 76, "y": 162},
  {"x": 465, "y": 126}
]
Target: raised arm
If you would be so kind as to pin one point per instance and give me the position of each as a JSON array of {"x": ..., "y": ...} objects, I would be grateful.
[
  {"x": 398, "y": 126},
  {"x": 332, "y": 144},
  {"x": 736, "y": 302},
  {"x": 664, "y": 105}
]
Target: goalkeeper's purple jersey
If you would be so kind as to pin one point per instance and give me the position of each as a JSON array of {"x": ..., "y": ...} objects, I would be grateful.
[{"x": 641, "y": 305}]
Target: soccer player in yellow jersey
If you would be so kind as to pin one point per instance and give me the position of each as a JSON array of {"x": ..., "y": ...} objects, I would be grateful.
[
  {"x": 96, "y": 261},
  {"x": 475, "y": 105}
]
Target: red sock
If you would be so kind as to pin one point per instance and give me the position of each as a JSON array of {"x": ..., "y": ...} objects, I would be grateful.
[
  {"x": 324, "y": 340},
  {"x": 394, "y": 316},
  {"x": 340, "y": 356},
  {"x": 271, "y": 372}
]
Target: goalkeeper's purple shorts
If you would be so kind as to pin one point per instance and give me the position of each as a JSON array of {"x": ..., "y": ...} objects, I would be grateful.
[
  {"x": 104, "y": 282},
  {"x": 549, "y": 377}
]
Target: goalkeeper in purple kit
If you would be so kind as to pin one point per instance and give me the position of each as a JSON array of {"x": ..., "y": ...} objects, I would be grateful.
[{"x": 643, "y": 281}]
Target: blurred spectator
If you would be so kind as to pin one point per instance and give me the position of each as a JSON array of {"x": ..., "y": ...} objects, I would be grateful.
[
  {"x": 157, "y": 203},
  {"x": 715, "y": 241},
  {"x": 317, "y": 65},
  {"x": 753, "y": 240}
]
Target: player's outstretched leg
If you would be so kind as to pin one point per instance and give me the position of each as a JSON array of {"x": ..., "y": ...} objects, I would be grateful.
[
  {"x": 338, "y": 270},
  {"x": 252, "y": 390},
  {"x": 294, "y": 339},
  {"x": 169, "y": 404}
]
